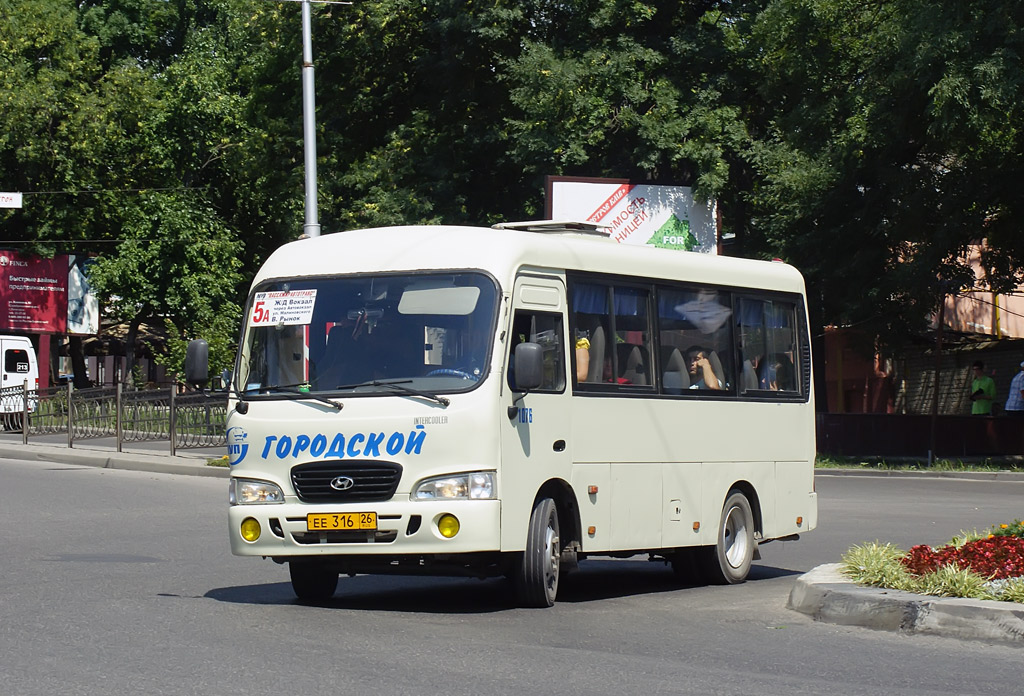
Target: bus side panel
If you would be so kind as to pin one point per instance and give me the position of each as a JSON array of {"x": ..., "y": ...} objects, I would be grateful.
[
  {"x": 595, "y": 508},
  {"x": 795, "y": 498},
  {"x": 636, "y": 506},
  {"x": 682, "y": 486}
]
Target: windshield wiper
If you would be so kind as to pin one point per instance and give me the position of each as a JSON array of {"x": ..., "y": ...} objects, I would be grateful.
[
  {"x": 296, "y": 389},
  {"x": 399, "y": 385}
]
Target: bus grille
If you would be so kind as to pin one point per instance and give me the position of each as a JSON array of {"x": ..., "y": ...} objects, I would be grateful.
[{"x": 371, "y": 481}]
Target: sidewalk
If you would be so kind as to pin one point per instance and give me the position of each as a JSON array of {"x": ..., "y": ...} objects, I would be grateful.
[{"x": 102, "y": 452}]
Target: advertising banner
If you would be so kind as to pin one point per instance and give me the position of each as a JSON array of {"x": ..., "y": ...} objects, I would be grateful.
[
  {"x": 667, "y": 217},
  {"x": 10, "y": 200},
  {"x": 83, "y": 307},
  {"x": 33, "y": 293}
]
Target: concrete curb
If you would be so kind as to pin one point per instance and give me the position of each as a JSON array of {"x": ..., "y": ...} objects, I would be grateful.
[
  {"x": 108, "y": 459},
  {"x": 827, "y": 595}
]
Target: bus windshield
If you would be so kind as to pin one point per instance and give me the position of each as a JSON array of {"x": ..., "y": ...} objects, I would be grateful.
[{"x": 368, "y": 334}]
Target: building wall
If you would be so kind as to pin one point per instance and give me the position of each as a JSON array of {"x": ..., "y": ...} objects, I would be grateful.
[
  {"x": 915, "y": 377},
  {"x": 981, "y": 312},
  {"x": 858, "y": 381}
]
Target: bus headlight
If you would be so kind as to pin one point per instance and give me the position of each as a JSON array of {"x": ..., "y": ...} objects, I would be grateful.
[
  {"x": 476, "y": 485},
  {"x": 251, "y": 492}
]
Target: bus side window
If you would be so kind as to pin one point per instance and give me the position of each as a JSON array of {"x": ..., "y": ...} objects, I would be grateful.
[
  {"x": 546, "y": 330},
  {"x": 768, "y": 345},
  {"x": 695, "y": 323}
]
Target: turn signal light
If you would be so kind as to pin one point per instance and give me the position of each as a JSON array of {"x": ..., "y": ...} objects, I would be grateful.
[{"x": 799, "y": 521}]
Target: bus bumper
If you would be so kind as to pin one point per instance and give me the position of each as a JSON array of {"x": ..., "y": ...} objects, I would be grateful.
[{"x": 403, "y": 528}]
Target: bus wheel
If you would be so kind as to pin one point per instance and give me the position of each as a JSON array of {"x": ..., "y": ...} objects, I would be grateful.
[
  {"x": 312, "y": 582},
  {"x": 537, "y": 570},
  {"x": 728, "y": 561}
]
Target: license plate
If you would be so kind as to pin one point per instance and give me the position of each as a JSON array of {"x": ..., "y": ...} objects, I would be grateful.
[{"x": 333, "y": 521}]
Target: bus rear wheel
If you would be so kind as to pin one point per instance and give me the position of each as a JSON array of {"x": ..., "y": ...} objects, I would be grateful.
[
  {"x": 537, "y": 570},
  {"x": 312, "y": 582},
  {"x": 728, "y": 561}
]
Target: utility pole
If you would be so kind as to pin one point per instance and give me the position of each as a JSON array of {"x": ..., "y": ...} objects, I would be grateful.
[{"x": 312, "y": 226}]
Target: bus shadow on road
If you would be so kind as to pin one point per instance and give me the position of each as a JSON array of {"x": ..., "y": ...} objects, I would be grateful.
[{"x": 596, "y": 580}]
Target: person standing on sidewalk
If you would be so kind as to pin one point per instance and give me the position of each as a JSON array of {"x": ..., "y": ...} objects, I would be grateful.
[
  {"x": 1015, "y": 401},
  {"x": 983, "y": 391}
]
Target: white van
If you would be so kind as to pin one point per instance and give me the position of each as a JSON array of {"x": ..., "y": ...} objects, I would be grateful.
[
  {"x": 18, "y": 365},
  {"x": 486, "y": 402}
]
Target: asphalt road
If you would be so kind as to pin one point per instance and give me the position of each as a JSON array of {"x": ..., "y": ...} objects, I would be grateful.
[{"x": 122, "y": 582}]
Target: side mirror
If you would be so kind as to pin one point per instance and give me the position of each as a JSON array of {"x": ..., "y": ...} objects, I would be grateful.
[
  {"x": 529, "y": 365},
  {"x": 197, "y": 362}
]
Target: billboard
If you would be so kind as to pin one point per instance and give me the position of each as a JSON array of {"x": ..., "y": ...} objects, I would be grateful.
[
  {"x": 46, "y": 296},
  {"x": 34, "y": 293},
  {"x": 637, "y": 213}
]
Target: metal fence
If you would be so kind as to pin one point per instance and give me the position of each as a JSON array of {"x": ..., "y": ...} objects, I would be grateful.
[{"x": 190, "y": 420}]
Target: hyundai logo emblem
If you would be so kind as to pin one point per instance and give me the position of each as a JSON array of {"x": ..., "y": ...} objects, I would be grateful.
[{"x": 342, "y": 483}]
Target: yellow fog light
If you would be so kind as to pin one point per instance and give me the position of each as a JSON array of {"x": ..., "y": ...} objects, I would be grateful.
[
  {"x": 250, "y": 529},
  {"x": 448, "y": 525}
]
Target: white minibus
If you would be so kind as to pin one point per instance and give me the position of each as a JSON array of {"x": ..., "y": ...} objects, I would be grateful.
[
  {"x": 19, "y": 371},
  {"x": 509, "y": 401}
]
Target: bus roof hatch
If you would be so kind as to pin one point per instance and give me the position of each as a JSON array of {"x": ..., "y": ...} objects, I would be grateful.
[{"x": 557, "y": 227}]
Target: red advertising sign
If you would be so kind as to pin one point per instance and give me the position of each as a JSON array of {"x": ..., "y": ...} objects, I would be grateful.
[{"x": 33, "y": 293}]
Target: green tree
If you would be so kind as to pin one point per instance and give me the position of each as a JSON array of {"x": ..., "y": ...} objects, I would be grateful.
[
  {"x": 886, "y": 145},
  {"x": 109, "y": 100},
  {"x": 176, "y": 264}
]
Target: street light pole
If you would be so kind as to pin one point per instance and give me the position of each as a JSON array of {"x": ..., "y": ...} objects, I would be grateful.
[{"x": 312, "y": 226}]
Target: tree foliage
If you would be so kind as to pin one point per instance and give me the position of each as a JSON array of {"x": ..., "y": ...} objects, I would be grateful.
[
  {"x": 868, "y": 143},
  {"x": 889, "y": 140}
]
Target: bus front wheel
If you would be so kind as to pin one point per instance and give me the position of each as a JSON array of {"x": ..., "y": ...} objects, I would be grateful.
[
  {"x": 537, "y": 569},
  {"x": 728, "y": 561},
  {"x": 312, "y": 582}
]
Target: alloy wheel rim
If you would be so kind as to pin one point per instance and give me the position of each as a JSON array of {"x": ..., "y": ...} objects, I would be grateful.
[{"x": 734, "y": 537}]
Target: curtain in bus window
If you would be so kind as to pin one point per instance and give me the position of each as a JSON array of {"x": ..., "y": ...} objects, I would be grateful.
[
  {"x": 704, "y": 310},
  {"x": 630, "y": 302},
  {"x": 588, "y": 298}
]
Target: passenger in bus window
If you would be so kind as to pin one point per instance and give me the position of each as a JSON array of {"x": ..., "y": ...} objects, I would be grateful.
[
  {"x": 582, "y": 356},
  {"x": 702, "y": 374},
  {"x": 765, "y": 373},
  {"x": 609, "y": 373},
  {"x": 782, "y": 366}
]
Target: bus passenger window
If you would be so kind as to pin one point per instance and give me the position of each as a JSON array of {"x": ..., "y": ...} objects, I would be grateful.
[
  {"x": 695, "y": 334},
  {"x": 768, "y": 345}
]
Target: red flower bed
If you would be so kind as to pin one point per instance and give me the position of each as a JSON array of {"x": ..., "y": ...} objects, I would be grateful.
[{"x": 995, "y": 558}]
